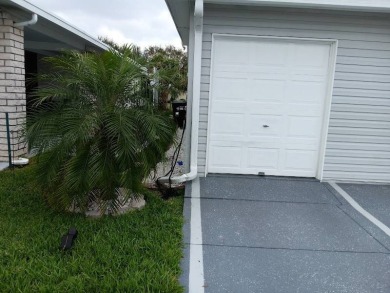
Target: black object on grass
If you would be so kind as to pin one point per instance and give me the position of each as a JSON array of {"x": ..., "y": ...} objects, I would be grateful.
[{"x": 67, "y": 240}]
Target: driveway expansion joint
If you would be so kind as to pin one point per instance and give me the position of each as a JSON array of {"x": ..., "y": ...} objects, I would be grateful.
[
  {"x": 368, "y": 232},
  {"x": 265, "y": 200},
  {"x": 264, "y": 178},
  {"x": 295, "y": 249},
  {"x": 334, "y": 192}
]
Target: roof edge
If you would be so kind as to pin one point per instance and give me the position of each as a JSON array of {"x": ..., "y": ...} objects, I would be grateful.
[
  {"x": 25, "y": 5},
  {"x": 336, "y": 5},
  {"x": 342, "y": 5},
  {"x": 180, "y": 12}
]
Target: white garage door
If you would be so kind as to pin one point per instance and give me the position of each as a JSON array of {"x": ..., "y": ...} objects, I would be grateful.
[{"x": 267, "y": 106}]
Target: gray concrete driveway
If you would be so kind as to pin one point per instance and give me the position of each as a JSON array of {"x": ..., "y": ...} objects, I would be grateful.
[{"x": 267, "y": 234}]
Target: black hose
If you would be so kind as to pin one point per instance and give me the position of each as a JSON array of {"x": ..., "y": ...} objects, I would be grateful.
[
  {"x": 177, "y": 153},
  {"x": 175, "y": 158}
]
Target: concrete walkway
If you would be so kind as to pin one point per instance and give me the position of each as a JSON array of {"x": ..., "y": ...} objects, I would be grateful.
[{"x": 267, "y": 234}]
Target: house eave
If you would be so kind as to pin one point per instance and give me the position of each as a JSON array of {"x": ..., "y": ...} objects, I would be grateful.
[
  {"x": 181, "y": 12},
  {"x": 346, "y": 5},
  {"x": 21, "y": 8},
  {"x": 182, "y": 27},
  {"x": 180, "y": 8}
]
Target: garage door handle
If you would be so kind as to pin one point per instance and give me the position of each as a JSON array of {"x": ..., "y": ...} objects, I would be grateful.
[{"x": 265, "y": 126}]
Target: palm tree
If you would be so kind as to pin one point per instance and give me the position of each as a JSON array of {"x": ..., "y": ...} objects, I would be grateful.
[
  {"x": 172, "y": 67},
  {"x": 93, "y": 129},
  {"x": 170, "y": 62}
]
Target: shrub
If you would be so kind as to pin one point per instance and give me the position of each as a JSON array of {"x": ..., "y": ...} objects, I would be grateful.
[{"x": 93, "y": 129}]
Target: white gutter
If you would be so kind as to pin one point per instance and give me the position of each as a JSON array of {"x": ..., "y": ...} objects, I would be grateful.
[
  {"x": 27, "y": 6},
  {"x": 33, "y": 20},
  {"x": 348, "y": 5},
  {"x": 198, "y": 26}
]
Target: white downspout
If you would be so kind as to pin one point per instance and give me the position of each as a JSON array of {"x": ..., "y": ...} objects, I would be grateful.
[
  {"x": 33, "y": 20},
  {"x": 198, "y": 38}
]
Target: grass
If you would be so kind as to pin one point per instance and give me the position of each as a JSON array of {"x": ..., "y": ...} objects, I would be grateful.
[{"x": 136, "y": 252}]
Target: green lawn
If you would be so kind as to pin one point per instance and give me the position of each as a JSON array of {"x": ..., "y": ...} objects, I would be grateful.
[{"x": 137, "y": 252}]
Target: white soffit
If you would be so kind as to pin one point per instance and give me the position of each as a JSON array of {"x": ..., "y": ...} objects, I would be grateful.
[
  {"x": 180, "y": 11},
  {"x": 350, "y": 5}
]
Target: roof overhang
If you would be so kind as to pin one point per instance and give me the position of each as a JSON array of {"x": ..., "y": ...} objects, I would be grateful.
[
  {"x": 180, "y": 9},
  {"x": 50, "y": 33}
]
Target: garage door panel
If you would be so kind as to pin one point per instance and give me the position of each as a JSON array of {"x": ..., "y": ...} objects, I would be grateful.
[
  {"x": 300, "y": 160},
  {"x": 259, "y": 108},
  {"x": 266, "y": 142},
  {"x": 266, "y": 72},
  {"x": 280, "y": 84},
  {"x": 230, "y": 143},
  {"x": 257, "y": 125},
  {"x": 228, "y": 88},
  {"x": 269, "y": 53},
  {"x": 267, "y": 90},
  {"x": 225, "y": 70},
  {"x": 306, "y": 127},
  {"x": 308, "y": 75},
  {"x": 299, "y": 143},
  {"x": 310, "y": 55},
  {"x": 267, "y": 158},
  {"x": 252, "y": 141},
  {"x": 305, "y": 92},
  {"x": 309, "y": 148},
  {"x": 235, "y": 53},
  {"x": 304, "y": 110},
  {"x": 219, "y": 155},
  {"x": 229, "y": 106},
  {"x": 231, "y": 72},
  {"x": 228, "y": 124}
]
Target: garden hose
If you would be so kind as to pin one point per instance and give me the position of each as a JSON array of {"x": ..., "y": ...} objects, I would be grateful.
[{"x": 170, "y": 191}]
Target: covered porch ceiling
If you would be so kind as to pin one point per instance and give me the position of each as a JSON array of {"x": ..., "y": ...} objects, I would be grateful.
[{"x": 50, "y": 34}]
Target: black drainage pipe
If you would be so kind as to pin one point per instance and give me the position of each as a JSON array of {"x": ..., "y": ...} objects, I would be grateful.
[{"x": 8, "y": 139}]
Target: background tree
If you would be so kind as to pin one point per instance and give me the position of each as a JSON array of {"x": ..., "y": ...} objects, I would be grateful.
[
  {"x": 95, "y": 132},
  {"x": 171, "y": 64},
  {"x": 130, "y": 49}
]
